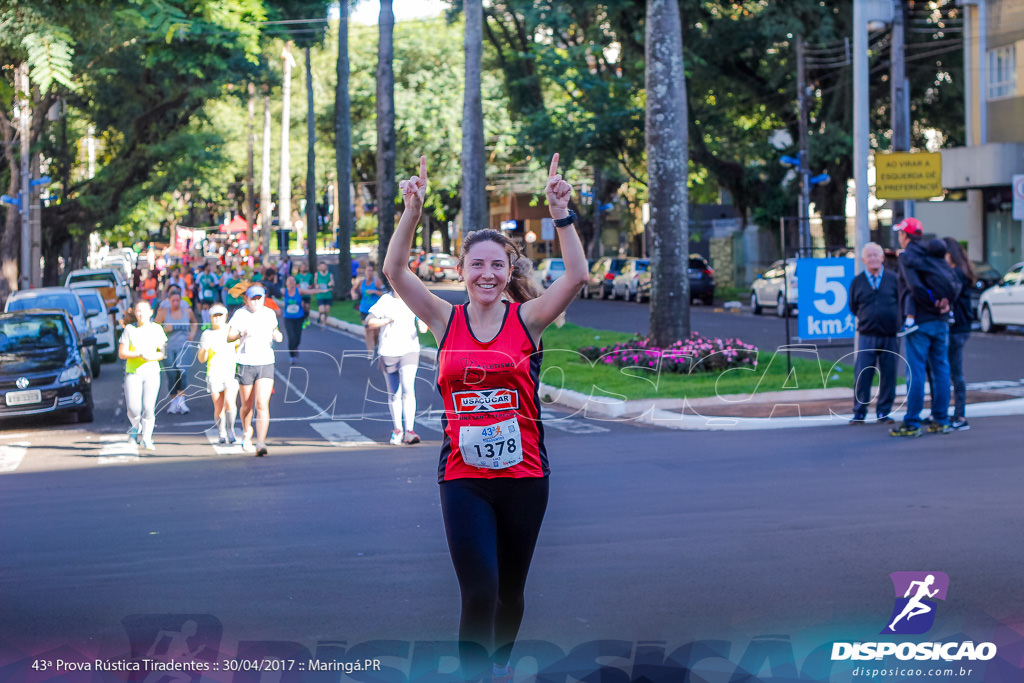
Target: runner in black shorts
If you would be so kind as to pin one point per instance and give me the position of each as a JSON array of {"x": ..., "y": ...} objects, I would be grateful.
[{"x": 256, "y": 327}]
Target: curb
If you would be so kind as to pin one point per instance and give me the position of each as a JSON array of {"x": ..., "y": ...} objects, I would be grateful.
[{"x": 684, "y": 414}]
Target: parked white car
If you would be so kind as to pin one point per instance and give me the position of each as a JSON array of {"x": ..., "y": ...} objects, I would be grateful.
[
  {"x": 102, "y": 321},
  {"x": 106, "y": 279},
  {"x": 776, "y": 287},
  {"x": 549, "y": 270},
  {"x": 627, "y": 283},
  {"x": 1003, "y": 303}
]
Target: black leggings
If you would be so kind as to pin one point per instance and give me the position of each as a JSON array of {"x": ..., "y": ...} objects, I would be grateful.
[
  {"x": 492, "y": 527},
  {"x": 293, "y": 326}
]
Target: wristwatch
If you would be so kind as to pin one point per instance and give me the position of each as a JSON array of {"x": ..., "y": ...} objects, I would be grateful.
[{"x": 567, "y": 221}]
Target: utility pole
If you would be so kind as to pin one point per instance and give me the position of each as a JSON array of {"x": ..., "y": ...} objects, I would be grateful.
[
  {"x": 250, "y": 190},
  {"x": 900, "y": 106},
  {"x": 804, "y": 213},
  {"x": 25, "y": 136},
  {"x": 284, "y": 196}
]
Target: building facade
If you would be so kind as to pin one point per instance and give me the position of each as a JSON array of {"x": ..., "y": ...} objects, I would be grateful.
[{"x": 994, "y": 106}]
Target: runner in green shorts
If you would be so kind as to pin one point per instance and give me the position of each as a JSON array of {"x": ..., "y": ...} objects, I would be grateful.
[{"x": 324, "y": 280}]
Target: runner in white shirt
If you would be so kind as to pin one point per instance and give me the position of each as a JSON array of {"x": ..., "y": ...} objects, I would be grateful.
[
  {"x": 142, "y": 347},
  {"x": 399, "y": 351},
  {"x": 219, "y": 355},
  {"x": 256, "y": 328}
]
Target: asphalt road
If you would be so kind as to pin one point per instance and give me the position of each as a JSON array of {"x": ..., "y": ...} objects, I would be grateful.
[{"x": 757, "y": 548}]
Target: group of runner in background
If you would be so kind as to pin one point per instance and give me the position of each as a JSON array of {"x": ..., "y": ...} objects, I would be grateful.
[{"x": 227, "y": 317}]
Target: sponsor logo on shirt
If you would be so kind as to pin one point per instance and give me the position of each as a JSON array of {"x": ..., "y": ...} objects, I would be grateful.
[{"x": 485, "y": 401}]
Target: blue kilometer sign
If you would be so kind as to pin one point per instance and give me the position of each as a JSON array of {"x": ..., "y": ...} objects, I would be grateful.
[{"x": 823, "y": 290}]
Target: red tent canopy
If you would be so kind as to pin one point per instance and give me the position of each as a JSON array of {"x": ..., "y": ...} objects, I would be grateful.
[{"x": 237, "y": 224}]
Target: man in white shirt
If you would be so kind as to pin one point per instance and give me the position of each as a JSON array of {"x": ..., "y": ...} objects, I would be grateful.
[{"x": 255, "y": 327}]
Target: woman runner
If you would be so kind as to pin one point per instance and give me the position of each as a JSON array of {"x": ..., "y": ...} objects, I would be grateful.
[
  {"x": 142, "y": 348},
  {"x": 219, "y": 355},
  {"x": 294, "y": 314},
  {"x": 180, "y": 325},
  {"x": 324, "y": 281},
  {"x": 493, "y": 468},
  {"x": 256, "y": 327}
]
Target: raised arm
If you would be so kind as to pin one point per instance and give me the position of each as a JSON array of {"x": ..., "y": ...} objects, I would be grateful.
[
  {"x": 542, "y": 311},
  {"x": 428, "y": 307}
]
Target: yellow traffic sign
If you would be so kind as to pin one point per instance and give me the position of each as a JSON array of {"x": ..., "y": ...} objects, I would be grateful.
[{"x": 908, "y": 175}]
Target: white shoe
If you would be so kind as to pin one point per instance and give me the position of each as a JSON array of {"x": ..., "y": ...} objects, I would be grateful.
[
  {"x": 172, "y": 407},
  {"x": 248, "y": 447},
  {"x": 182, "y": 408},
  {"x": 148, "y": 445}
]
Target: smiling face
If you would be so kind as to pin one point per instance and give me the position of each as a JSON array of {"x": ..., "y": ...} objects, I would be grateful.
[{"x": 486, "y": 269}]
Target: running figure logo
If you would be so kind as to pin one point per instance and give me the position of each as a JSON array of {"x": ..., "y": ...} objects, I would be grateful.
[{"x": 916, "y": 592}]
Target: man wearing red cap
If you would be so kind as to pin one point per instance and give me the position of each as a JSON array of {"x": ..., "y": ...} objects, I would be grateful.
[{"x": 926, "y": 310}]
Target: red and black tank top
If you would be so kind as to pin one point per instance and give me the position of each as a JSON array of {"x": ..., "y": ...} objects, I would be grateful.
[{"x": 487, "y": 383}]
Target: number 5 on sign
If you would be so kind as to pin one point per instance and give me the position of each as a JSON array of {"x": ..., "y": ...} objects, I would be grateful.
[
  {"x": 823, "y": 286},
  {"x": 828, "y": 284}
]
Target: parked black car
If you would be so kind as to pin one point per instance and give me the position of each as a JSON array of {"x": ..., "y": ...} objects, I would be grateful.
[
  {"x": 702, "y": 281},
  {"x": 44, "y": 366}
]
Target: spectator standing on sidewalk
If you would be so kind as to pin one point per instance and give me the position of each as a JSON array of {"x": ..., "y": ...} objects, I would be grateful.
[
  {"x": 928, "y": 344},
  {"x": 874, "y": 301},
  {"x": 960, "y": 331}
]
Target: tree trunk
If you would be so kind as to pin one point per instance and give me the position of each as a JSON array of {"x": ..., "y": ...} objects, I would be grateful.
[
  {"x": 10, "y": 238},
  {"x": 666, "y": 139},
  {"x": 597, "y": 198},
  {"x": 312, "y": 216},
  {"x": 475, "y": 212},
  {"x": 385, "y": 130},
  {"x": 284, "y": 193},
  {"x": 343, "y": 159},
  {"x": 250, "y": 171},
  {"x": 265, "y": 197}
]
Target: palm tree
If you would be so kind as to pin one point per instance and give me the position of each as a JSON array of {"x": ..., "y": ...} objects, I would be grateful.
[
  {"x": 284, "y": 194},
  {"x": 312, "y": 225},
  {"x": 343, "y": 155},
  {"x": 475, "y": 213},
  {"x": 386, "y": 189},
  {"x": 666, "y": 141}
]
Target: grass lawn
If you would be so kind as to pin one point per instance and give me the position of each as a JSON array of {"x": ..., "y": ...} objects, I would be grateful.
[{"x": 565, "y": 367}]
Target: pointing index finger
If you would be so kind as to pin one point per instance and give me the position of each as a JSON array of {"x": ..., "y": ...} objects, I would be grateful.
[
  {"x": 423, "y": 168},
  {"x": 553, "y": 171}
]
